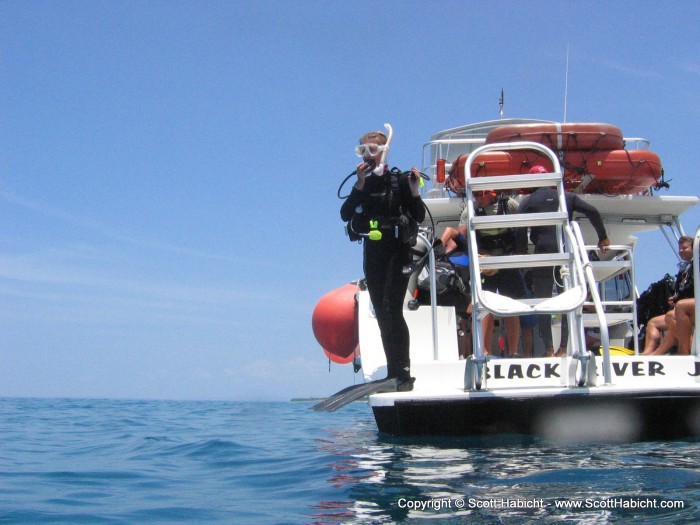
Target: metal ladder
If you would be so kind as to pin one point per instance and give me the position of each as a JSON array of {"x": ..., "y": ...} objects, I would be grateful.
[
  {"x": 570, "y": 255},
  {"x": 615, "y": 311}
]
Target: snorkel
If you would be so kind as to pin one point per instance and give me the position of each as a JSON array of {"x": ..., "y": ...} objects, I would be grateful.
[
  {"x": 379, "y": 169},
  {"x": 372, "y": 167}
]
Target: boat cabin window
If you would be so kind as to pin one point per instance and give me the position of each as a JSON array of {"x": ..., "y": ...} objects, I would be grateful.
[{"x": 618, "y": 289}]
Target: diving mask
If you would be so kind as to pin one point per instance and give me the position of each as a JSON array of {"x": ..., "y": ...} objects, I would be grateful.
[{"x": 370, "y": 149}]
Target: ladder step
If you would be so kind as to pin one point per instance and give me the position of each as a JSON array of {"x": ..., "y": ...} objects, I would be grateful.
[
  {"x": 567, "y": 301},
  {"x": 605, "y": 270},
  {"x": 591, "y": 320},
  {"x": 519, "y": 220},
  {"x": 524, "y": 261},
  {"x": 505, "y": 182}
]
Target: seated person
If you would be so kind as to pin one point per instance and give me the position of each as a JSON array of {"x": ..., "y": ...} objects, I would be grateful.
[
  {"x": 658, "y": 339},
  {"x": 685, "y": 323},
  {"x": 665, "y": 325},
  {"x": 452, "y": 240},
  {"x": 501, "y": 241}
]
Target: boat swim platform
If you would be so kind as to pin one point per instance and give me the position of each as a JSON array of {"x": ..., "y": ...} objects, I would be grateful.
[
  {"x": 549, "y": 375},
  {"x": 650, "y": 398}
]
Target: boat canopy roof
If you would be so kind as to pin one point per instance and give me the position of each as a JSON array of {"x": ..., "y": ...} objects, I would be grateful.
[{"x": 452, "y": 143}]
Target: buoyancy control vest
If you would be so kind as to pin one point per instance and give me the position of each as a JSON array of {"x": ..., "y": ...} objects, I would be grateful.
[
  {"x": 499, "y": 241},
  {"x": 381, "y": 213}
]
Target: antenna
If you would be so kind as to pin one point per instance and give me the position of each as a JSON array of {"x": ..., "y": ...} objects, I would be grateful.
[
  {"x": 501, "y": 103},
  {"x": 566, "y": 81}
]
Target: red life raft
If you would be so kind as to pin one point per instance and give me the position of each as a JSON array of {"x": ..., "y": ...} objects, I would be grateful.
[
  {"x": 618, "y": 171},
  {"x": 562, "y": 136},
  {"x": 490, "y": 164}
]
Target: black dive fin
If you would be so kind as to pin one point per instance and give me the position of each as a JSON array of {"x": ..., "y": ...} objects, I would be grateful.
[
  {"x": 321, "y": 405},
  {"x": 355, "y": 392}
]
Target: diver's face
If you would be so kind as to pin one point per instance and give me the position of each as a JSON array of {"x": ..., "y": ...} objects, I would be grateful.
[
  {"x": 371, "y": 151},
  {"x": 484, "y": 199},
  {"x": 685, "y": 250}
]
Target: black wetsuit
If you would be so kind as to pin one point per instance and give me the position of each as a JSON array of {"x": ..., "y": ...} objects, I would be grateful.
[
  {"x": 685, "y": 287},
  {"x": 384, "y": 260},
  {"x": 545, "y": 240}
]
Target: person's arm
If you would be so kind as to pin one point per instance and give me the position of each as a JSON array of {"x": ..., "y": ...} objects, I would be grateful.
[
  {"x": 347, "y": 210},
  {"x": 448, "y": 235},
  {"x": 357, "y": 195},
  {"x": 463, "y": 221},
  {"x": 413, "y": 199},
  {"x": 593, "y": 215}
]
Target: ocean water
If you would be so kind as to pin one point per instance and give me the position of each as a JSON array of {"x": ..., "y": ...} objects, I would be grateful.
[{"x": 103, "y": 461}]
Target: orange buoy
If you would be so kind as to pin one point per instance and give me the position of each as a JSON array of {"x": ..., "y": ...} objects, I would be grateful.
[
  {"x": 334, "y": 322},
  {"x": 340, "y": 360},
  {"x": 562, "y": 136}
]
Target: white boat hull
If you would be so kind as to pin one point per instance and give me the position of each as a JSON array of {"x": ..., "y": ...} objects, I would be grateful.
[{"x": 581, "y": 414}]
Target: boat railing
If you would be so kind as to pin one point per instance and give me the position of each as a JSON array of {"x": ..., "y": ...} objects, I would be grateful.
[
  {"x": 440, "y": 149},
  {"x": 609, "y": 269},
  {"x": 434, "y": 150},
  {"x": 636, "y": 143},
  {"x": 605, "y": 269},
  {"x": 433, "y": 290},
  {"x": 695, "y": 350}
]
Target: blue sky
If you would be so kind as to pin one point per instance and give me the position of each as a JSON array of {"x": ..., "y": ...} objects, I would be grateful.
[{"x": 168, "y": 170}]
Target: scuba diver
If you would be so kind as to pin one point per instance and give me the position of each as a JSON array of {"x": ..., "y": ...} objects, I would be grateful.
[
  {"x": 383, "y": 210},
  {"x": 499, "y": 241},
  {"x": 545, "y": 240}
]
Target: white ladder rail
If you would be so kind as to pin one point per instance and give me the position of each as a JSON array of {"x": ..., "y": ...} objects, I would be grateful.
[
  {"x": 433, "y": 291},
  {"x": 593, "y": 288},
  {"x": 569, "y": 254},
  {"x": 622, "y": 262},
  {"x": 695, "y": 341}
]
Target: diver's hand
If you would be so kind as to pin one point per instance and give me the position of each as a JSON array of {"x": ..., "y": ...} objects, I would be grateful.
[
  {"x": 362, "y": 169},
  {"x": 414, "y": 182}
]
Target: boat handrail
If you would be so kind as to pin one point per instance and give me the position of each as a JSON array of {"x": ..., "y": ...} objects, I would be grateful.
[
  {"x": 433, "y": 290},
  {"x": 641, "y": 143},
  {"x": 695, "y": 347},
  {"x": 430, "y": 167},
  {"x": 624, "y": 261},
  {"x": 595, "y": 296},
  {"x": 454, "y": 141}
]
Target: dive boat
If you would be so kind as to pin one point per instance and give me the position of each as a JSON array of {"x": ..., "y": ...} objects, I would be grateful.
[{"x": 462, "y": 388}]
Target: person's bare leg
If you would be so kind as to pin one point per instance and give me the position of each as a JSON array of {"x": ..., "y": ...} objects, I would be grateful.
[
  {"x": 447, "y": 239},
  {"x": 670, "y": 339},
  {"x": 655, "y": 327},
  {"x": 685, "y": 322},
  {"x": 487, "y": 332},
  {"x": 513, "y": 334},
  {"x": 528, "y": 342}
]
